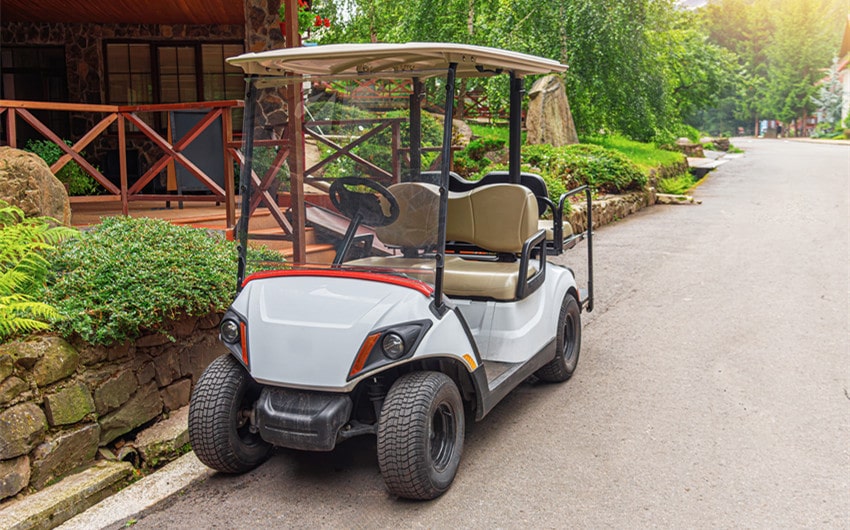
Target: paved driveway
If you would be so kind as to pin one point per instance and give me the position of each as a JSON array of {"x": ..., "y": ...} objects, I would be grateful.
[{"x": 713, "y": 388}]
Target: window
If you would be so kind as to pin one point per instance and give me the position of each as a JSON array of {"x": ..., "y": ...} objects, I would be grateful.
[
  {"x": 139, "y": 73},
  {"x": 35, "y": 73},
  {"x": 129, "y": 73}
]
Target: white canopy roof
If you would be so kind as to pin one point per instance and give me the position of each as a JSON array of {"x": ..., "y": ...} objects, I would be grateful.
[{"x": 392, "y": 60}]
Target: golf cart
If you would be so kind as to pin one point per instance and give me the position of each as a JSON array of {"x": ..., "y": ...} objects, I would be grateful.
[{"x": 440, "y": 298}]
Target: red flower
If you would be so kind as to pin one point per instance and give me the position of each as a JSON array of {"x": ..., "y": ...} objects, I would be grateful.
[
  {"x": 318, "y": 21},
  {"x": 327, "y": 22}
]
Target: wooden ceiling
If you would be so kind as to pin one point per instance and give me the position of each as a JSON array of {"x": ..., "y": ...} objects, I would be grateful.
[{"x": 124, "y": 11}]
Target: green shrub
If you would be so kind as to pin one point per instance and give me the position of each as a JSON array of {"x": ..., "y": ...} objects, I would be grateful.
[
  {"x": 72, "y": 175},
  {"x": 676, "y": 185},
  {"x": 23, "y": 269},
  {"x": 129, "y": 275},
  {"x": 604, "y": 170}
]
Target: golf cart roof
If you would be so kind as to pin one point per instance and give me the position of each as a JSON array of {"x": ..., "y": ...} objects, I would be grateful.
[{"x": 392, "y": 60}]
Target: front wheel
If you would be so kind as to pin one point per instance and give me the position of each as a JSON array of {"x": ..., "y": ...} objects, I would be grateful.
[
  {"x": 420, "y": 435},
  {"x": 219, "y": 430},
  {"x": 568, "y": 344}
]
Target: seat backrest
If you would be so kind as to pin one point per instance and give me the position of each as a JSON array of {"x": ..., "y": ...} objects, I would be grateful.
[
  {"x": 418, "y": 216},
  {"x": 531, "y": 181},
  {"x": 496, "y": 217}
]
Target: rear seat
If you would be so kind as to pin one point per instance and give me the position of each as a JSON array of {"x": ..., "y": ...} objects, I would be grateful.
[{"x": 500, "y": 219}]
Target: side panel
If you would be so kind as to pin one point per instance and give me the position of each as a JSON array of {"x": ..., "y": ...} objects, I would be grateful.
[{"x": 512, "y": 332}]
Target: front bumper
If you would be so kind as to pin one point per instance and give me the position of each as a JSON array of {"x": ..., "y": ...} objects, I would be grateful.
[{"x": 300, "y": 419}]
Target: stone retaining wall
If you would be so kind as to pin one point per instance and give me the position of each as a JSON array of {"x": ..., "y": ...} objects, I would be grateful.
[
  {"x": 60, "y": 403},
  {"x": 610, "y": 208}
]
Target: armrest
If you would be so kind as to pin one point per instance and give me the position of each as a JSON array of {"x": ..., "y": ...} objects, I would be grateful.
[{"x": 525, "y": 285}]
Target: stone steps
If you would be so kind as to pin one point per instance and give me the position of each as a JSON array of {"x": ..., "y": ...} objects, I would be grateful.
[{"x": 74, "y": 494}]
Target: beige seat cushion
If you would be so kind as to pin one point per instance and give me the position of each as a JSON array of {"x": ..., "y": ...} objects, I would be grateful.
[
  {"x": 548, "y": 225},
  {"x": 465, "y": 277}
]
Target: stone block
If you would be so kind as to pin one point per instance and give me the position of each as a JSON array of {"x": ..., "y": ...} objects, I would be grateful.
[
  {"x": 7, "y": 366},
  {"x": 195, "y": 359},
  {"x": 144, "y": 406},
  {"x": 119, "y": 351},
  {"x": 115, "y": 391},
  {"x": 69, "y": 405},
  {"x": 56, "y": 504},
  {"x": 210, "y": 321},
  {"x": 184, "y": 327},
  {"x": 150, "y": 341},
  {"x": 24, "y": 354},
  {"x": 21, "y": 428},
  {"x": 91, "y": 355},
  {"x": 145, "y": 372},
  {"x": 167, "y": 367},
  {"x": 12, "y": 388},
  {"x": 57, "y": 456},
  {"x": 58, "y": 361},
  {"x": 177, "y": 394},
  {"x": 14, "y": 476},
  {"x": 164, "y": 439}
]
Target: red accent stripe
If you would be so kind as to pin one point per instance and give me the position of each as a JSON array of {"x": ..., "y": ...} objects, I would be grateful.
[{"x": 410, "y": 283}]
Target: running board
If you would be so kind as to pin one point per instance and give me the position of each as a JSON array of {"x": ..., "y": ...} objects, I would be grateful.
[{"x": 504, "y": 377}]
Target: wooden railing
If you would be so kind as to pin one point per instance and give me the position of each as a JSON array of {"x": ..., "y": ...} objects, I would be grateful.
[{"x": 120, "y": 121}]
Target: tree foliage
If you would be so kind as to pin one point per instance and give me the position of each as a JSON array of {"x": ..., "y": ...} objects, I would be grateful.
[{"x": 639, "y": 67}]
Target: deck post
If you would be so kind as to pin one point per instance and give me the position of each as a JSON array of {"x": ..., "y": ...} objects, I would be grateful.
[
  {"x": 122, "y": 163},
  {"x": 11, "y": 132},
  {"x": 227, "y": 138}
]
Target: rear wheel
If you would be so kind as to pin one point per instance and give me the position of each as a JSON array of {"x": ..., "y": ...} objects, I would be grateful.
[
  {"x": 567, "y": 344},
  {"x": 420, "y": 435},
  {"x": 218, "y": 418}
]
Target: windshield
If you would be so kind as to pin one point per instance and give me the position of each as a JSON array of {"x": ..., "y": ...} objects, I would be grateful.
[{"x": 371, "y": 173}]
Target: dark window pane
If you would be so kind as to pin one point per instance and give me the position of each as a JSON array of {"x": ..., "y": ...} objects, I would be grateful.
[
  {"x": 140, "y": 58},
  {"x": 167, "y": 61}
]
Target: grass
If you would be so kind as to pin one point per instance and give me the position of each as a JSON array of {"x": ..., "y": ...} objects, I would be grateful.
[
  {"x": 645, "y": 155},
  {"x": 498, "y": 132}
]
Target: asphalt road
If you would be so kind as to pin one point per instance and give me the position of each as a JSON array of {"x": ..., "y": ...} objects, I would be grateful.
[{"x": 713, "y": 388}]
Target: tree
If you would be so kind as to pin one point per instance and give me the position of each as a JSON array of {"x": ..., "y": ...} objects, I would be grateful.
[{"x": 830, "y": 96}]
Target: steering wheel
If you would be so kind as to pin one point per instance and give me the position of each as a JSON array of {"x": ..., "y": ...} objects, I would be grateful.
[{"x": 363, "y": 204}]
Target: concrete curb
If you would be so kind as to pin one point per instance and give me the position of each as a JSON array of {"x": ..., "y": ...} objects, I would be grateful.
[{"x": 142, "y": 495}]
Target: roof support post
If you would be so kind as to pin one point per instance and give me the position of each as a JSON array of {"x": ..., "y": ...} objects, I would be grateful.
[
  {"x": 415, "y": 130},
  {"x": 245, "y": 179},
  {"x": 445, "y": 167},
  {"x": 515, "y": 129}
]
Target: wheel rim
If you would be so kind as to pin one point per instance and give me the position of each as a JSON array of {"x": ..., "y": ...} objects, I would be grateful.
[
  {"x": 442, "y": 436},
  {"x": 569, "y": 338}
]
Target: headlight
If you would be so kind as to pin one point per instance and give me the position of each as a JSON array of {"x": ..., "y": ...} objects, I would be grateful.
[
  {"x": 229, "y": 331},
  {"x": 392, "y": 345}
]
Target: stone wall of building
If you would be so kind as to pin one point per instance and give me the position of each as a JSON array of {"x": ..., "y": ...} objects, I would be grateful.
[{"x": 60, "y": 404}]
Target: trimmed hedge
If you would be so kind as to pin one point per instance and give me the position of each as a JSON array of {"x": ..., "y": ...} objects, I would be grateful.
[{"x": 128, "y": 275}]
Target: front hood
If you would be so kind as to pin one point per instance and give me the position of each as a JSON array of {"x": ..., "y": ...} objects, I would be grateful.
[{"x": 305, "y": 331}]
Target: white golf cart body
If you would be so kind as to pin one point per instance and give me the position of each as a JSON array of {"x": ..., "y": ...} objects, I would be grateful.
[{"x": 453, "y": 285}]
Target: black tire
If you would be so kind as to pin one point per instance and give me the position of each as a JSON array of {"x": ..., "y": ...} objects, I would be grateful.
[
  {"x": 218, "y": 430},
  {"x": 567, "y": 344},
  {"x": 420, "y": 435}
]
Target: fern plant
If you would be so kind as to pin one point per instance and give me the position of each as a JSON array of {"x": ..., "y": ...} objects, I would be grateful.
[{"x": 23, "y": 269}]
